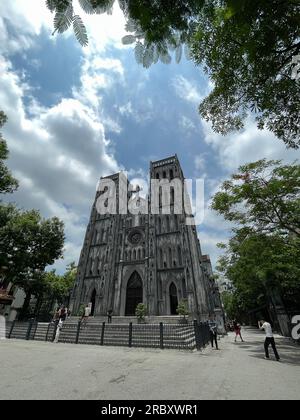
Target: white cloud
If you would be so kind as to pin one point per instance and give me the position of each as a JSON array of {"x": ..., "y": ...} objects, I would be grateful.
[
  {"x": 208, "y": 242},
  {"x": 249, "y": 145},
  {"x": 59, "y": 153},
  {"x": 29, "y": 17},
  {"x": 26, "y": 20},
  {"x": 200, "y": 162},
  {"x": 141, "y": 113},
  {"x": 58, "y": 156},
  {"x": 126, "y": 109},
  {"x": 103, "y": 30},
  {"x": 187, "y": 124},
  {"x": 186, "y": 90}
]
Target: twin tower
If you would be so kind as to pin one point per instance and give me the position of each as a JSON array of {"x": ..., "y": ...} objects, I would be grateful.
[{"x": 143, "y": 257}]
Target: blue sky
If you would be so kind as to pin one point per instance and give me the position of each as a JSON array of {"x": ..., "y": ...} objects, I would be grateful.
[{"x": 77, "y": 114}]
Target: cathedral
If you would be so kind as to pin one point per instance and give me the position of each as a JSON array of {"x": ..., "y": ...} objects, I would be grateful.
[{"x": 144, "y": 256}]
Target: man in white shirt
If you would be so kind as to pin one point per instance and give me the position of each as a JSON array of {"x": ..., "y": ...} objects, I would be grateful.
[{"x": 263, "y": 325}]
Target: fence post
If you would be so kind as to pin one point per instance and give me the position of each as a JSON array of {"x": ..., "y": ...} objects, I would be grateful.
[
  {"x": 47, "y": 333},
  {"x": 197, "y": 335},
  {"x": 11, "y": 328},
  {"x": 35, "y": 328},
  {"x": 161, "y": 334},
  {"x": 54, "y": 330},
  {"x": 207, "y": 329},
  {"x": 29, "y": 329},
  {"x": 102, "y": 334},
  {"x": 78, "y": 332},
  {"x": 130, "y": 334}
]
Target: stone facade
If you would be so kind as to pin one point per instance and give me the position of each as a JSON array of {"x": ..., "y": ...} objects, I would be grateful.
[{"x": 151, "y": 258}]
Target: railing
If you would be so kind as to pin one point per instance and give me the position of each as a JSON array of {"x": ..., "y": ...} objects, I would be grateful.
[{"x": 188, "y": 336}]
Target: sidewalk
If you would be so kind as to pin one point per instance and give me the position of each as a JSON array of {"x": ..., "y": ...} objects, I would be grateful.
[{"x": 39, "y": 370}]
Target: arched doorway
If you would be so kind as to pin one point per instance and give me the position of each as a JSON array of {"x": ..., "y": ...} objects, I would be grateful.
[
  {"x": 173, "y": 299},
  {"x": 134, "y": 293},
  {"x": 93, "y": 302}
]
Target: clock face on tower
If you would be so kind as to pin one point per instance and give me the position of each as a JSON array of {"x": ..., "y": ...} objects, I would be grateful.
[{"x": 135, "y": 237}]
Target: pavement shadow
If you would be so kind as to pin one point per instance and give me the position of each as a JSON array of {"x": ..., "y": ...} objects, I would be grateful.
[{"x": 289, "y": 352}]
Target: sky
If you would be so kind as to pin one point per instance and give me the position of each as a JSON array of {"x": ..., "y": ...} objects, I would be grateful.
[{"x": 76, "y": 114}]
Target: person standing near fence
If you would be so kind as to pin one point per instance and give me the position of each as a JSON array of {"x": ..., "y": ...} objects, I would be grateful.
[
  {"x": 63, "y": 313},
  {"x": 263, "y": 325},
  {"x": 86, "y": 314},
  {"x": 58, "y": 329},
  {"x": 213, "y": 332},
  {"x": 109, "y": 316},
  {"x": 56, "y": 317}
]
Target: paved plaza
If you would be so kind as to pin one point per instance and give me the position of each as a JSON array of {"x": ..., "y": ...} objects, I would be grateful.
[{"x": 39, "y": 370}]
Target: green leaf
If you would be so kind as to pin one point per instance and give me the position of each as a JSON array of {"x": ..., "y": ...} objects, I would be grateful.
[
  {"x": 139, "y": 52},
  {"x": 63, "y": 20},
  {"x": 80, "y": 31},
  {"x": 148, "y": 56},
  {"x": 51, "y": 4},
  {"x": 178, "y": 53},
  {"x": 128, "y": 39},
  {"x": 87, "y": 6},
  {"x": 165, "y": 57}
]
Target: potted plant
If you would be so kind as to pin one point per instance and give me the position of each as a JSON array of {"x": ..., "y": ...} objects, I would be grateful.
[
  {"x": 182, "y": 310},
  {"x": 141, "y": 312}
]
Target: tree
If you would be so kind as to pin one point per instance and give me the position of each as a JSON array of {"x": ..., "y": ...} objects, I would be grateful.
[
  {"x": 262, "y": 258},
  {"x": 141, "y": 312},
  {"x": 55, "y": 289},
  {"x": 264, "y": 196},
  {"x": 182, "y": 308},
  {"x": 247, "y": 47},
  {"x": 233, "y": 305},
  {"x": 28, "y": 244},
  {"x": 259, "y": 265},
  {"x": 7, "y": 183}
]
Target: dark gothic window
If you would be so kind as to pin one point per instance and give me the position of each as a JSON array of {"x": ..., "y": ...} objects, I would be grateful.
[
  {"x": 93, "y": 302},
  {"x": 171, "y": 174},
  {"x": 134, "y": 293},
  {"x": 157, "y": 175},
  {"x": 164, "y": 174},
  {"x": 172, "y": 195},
  {"x": 176, "y": 221},
  {"x": 168, "y": 223},
  {"x": 183, "y": 288},
  {"x": 173, "y": 299},
  {"x": 170, "y": 257}
]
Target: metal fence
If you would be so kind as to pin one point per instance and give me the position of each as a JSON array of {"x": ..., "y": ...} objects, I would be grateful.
[{"x": 165, "y": 336}]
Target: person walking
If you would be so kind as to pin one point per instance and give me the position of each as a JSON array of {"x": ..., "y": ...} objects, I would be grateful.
[
  {"x": 63, "y": 313},
  {"x": 56, "y": 318},
  {"x": 213, "y": 332},
  {"x": 58, "y": 330},
  {"x": 237, "y": 329},
  {"x": 86, "y": 314},
  {"x": 266, "y": 326}
]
